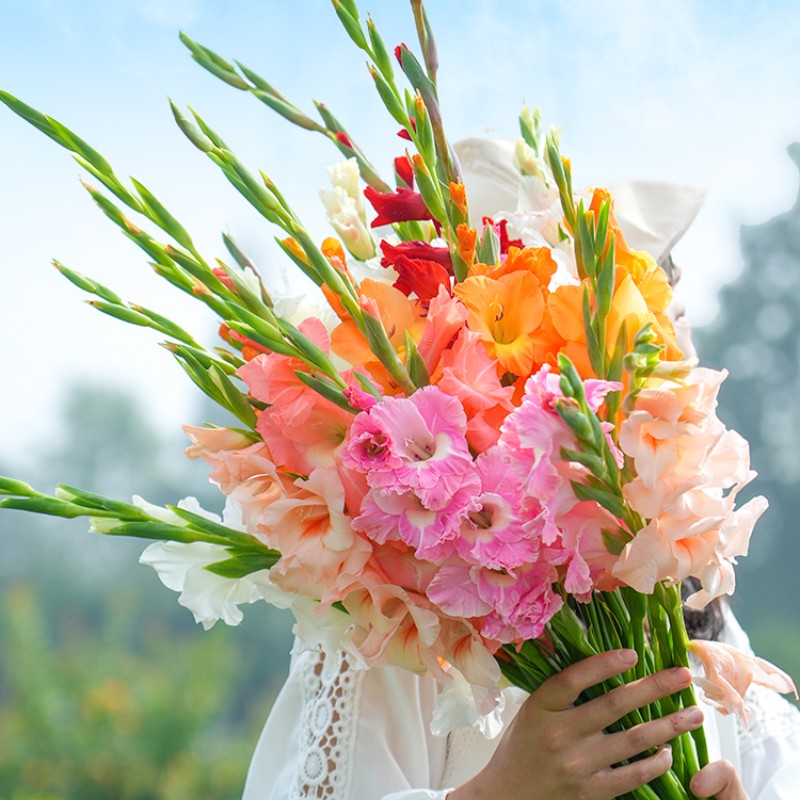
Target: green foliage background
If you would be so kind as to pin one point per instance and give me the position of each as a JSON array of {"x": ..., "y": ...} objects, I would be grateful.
[{"x": 108, "y": 689}]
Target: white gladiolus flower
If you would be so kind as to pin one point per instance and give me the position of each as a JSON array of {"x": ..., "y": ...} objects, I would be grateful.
[
  {"x": 458, "y": 707},
  {"x": 526, "y": 159},
  {"x": 296, "y": 308},
  {"x": 345, "y": 174},
  {"x": 210, "y": 597},
  {"x": 344, "y": 205}
]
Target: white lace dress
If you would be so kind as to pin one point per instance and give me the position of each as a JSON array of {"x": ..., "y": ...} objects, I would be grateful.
[{"x": 341, "y": 734}]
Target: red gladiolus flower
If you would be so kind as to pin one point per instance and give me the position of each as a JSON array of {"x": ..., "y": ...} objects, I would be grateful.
[
  {"x": 344, "y": 139},
  {"x": 421, "y": 277},
  {"x": 416, "y": 250},
  {"x": 404, "y": 134},
  {"x": 400, "y": 206},
  {"x": 404, "y": 170},
  {"x": 501, "y": 229}
]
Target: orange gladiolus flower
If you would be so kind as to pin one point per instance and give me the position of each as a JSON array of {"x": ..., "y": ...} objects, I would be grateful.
[
  {"x": 467, "y": 238},
  {"x": 398, "y": 314},
  {"x": 506, "y": 313},
  {"x": 458, "y": 195},
  {"x": 536, "y": 260}
]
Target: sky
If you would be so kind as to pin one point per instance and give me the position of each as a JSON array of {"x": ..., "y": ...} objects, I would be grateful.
[{"x": 700, "y": 93}]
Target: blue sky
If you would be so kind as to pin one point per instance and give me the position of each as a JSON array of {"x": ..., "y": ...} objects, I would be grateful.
[{"x": 688, "y": 91}]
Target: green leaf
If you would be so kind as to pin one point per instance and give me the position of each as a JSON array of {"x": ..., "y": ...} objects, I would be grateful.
[
  {"x": 46, "y": 505},
  {"x": 220, "y": 531},
  {"x": 614, "y": 541},
  {"x": 12, "y": 486},
  {"x": 165, "y": 325},
  {"x": 87, "y": 284},
  {"x": 605, "y": 498},
  {"x": 161, "y": 531},
  {"x": 241, "y": 565},
  {"x": 192, "y": 132},
  {"x": 382, "y": 58},
  {"x": 414, "y": 362},
  {"x": 390, "y": 99},
  {"x": 488, "y": 249},
  {"x": 351, "y": 25},
  {"x": 163, "y": 218},
  {"x": 326, "y": 389}
]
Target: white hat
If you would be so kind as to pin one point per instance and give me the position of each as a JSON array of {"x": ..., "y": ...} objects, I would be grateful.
[{"x": 653, "y": 215}]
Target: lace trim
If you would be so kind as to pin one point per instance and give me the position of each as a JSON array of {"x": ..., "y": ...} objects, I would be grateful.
[
  {"x": 459, "y": 743},
  {"x": 331, "y": 694},
  {"x": 771, "y": 717}
]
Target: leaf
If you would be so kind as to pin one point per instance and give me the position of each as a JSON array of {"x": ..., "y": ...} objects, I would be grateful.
[{"x": 242, "y": 565}]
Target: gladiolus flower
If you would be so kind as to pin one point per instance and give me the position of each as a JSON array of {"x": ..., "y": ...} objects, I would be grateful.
[
  {"x": 416, "y": 250},
  {"x": 404, "y": 170},
  {"x": 400, "y": 206},
  {"x": 728, "y": 672},
  {"x": 422, "y": 278}
]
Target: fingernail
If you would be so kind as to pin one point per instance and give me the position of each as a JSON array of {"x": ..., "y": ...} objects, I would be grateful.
[
  {"x": 681, "y": 675},
  {"x": 692, "y": 716},
  {"x": 628, "y": 657}
]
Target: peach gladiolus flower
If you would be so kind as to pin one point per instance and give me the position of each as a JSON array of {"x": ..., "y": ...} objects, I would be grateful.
[
  {"x": 393, "y": 626},
  {"x": 321, "y": 555},
  {"x": 728, "y": 673}
]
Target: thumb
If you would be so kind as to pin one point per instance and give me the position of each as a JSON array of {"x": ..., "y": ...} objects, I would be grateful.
[{"x": 719, "y": 780}]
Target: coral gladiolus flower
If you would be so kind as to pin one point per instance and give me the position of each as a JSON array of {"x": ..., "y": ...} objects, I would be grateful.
[
  {"x": 506, "y": 313},
  {"x": 400, "y": 206},
  {"x": 728, "y": 673}
]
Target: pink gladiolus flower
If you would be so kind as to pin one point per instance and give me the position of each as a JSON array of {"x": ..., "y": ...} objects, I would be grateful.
[
  {"x": 589, "y": 564},
  {"x": 413, "y": 444},
  {"x": 491, "y": 533},
  {"x": 728, "y": 673},
  {"x": 469, "y": 374},
  {"x": 432, "y": 533},
  {"x": 248, "y": 475},
  {"x": 208, "y": 441},
  {"x": 515, "y": 605}
]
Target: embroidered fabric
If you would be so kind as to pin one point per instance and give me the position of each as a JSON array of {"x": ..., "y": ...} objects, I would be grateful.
[
  {"x": 327, "y": 727},
  {"x": 459, "y": 743},
  {"x": 772, "y": 719}
]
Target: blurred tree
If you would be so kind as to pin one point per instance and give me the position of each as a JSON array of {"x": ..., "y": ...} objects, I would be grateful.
[
  {"x": 107, "y": 687},
  {"x": 756, "y": 336}
]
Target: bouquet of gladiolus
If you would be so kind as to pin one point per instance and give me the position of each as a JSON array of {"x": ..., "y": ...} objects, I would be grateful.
[{"x": 486, "y": 458}]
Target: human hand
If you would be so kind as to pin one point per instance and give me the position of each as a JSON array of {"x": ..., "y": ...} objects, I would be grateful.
[
  {"x": 720, "y": 780},
  {"x": 555, "y": 750}
]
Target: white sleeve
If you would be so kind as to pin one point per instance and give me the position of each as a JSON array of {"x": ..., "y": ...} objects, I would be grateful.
[{"x": 337, "y": 733}]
